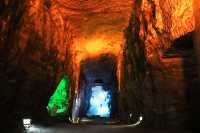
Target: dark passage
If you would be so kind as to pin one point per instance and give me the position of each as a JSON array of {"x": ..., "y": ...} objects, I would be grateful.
[{"x": 98, "y": 87}]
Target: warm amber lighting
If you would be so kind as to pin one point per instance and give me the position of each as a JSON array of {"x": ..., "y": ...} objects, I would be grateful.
[
  {"x": 81, "y": 29},
  {"x": 95, "y": 46}
]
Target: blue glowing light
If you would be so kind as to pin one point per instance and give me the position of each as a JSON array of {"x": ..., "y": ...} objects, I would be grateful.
[{"x": 100, "y": 102}]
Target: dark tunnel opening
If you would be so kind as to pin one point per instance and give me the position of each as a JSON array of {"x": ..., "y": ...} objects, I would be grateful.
[{"x": 98, "y": 87}]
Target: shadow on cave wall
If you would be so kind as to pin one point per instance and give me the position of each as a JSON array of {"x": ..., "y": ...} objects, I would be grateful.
[
  {"x": 27, "y": 80},
  {"x": 190, "y": 67},
  {"x": 183, "y": 48}
]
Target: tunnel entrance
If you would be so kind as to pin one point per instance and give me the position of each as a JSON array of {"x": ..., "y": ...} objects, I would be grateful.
[{"x": 98, "y": 86}]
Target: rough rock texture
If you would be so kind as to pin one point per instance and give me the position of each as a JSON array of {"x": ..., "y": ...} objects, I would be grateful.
[
  {"x": 162, "y": 21},
  {"x": 36, "y": 37},
  {"x": 30, "y": 59},
  {"x": 165, "y": 91},
  {"x": 38, "y": 40},
  {"x": 177, "y": 16}
]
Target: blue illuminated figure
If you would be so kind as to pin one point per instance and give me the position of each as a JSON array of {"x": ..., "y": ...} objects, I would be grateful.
[{"x": 100, "y": 103}]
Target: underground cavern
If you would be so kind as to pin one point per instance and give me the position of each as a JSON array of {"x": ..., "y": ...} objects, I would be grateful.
[{"x": 131, "y": 63}]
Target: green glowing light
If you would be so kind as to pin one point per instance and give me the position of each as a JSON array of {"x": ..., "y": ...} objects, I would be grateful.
[{"x": 58, "y": 102}]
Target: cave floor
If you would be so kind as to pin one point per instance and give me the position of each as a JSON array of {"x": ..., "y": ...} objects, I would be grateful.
[{"x": 63, "y": 128}]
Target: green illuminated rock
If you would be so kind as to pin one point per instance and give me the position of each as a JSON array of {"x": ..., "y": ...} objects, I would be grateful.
[{"x": 58, "y": 103}]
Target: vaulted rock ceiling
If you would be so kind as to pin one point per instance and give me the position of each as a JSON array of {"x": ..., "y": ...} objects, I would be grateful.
[
  {"x": 68, "y": 27},
  {"x": 58, "y": 22}
]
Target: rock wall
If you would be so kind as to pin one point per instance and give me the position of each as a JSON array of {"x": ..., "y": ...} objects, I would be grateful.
[
  {"x": 178, "y": 17},
  {"x": 35, "y": 43},
  {"x": 163, "y": 21},
  {"x": 34, "y": 54},
  {"x": 166, "y": 89}
]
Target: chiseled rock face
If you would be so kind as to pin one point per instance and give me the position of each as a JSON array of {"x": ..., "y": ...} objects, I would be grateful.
[
  {"x": 54, "y": 24},
  {"x": 166, "y": 20},
  {"x": 35, "y": 41},
  {"x": 59, "y": 22},
  {"x": 177, "y": 16},
  {"x": 174, "y": 79}
]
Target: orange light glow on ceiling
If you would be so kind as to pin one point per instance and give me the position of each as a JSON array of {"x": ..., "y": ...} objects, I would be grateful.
[
  {"x": 95, "y": 46},
  {"x": 98, "y": 29}
]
